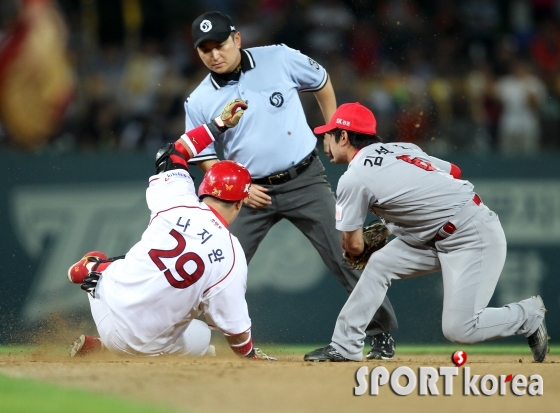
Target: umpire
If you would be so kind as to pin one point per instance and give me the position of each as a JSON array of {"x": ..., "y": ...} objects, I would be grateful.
[{"x": 275, "y": 143}]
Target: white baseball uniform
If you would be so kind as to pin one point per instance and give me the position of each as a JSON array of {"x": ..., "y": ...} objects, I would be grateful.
[
  {"x": 439, "y": 224},
  {"x": 186, "y": 264}
]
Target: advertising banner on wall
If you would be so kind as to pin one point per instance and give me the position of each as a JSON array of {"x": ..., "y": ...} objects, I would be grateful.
[{"x": 54, "y": 209}]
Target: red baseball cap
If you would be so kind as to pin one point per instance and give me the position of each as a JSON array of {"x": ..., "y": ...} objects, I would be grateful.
[{"x": 350, "y": 116}]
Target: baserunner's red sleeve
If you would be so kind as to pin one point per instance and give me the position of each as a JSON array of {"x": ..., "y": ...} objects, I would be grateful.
[{"x": 196, "y": 139}]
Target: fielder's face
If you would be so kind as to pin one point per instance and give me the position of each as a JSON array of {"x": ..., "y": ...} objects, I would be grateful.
[
  {"x": 221, "y": 57},
  {"x": 338, "y": 151}
]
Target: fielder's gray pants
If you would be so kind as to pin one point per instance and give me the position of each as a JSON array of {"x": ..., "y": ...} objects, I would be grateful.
[
  {"x": 308, "y": 202},
  {"x": 471, "y": 261}
]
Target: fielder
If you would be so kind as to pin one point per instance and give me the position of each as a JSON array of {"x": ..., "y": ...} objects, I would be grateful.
[
  {"x": 186, "y": 264},
  {"x": 440, "y": 223},
  {"x": 276, "y": 145}
]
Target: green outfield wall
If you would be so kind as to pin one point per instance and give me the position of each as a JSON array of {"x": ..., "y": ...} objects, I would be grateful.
[{"x": 56, "y": 207}]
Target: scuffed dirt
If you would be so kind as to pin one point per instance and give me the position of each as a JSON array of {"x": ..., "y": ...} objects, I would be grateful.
[{"x": 227, "y": 383}]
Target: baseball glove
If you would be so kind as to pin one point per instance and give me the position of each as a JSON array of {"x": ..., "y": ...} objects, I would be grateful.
[{"x": 375, "y": 237}]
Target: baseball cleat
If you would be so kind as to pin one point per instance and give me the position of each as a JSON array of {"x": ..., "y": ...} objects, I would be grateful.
[
  {"x": 79, "y": 271},
  {"x": 328, "y": 353},
  {"x": 382, "y": 347},
  {"x": 538, "y": 341},
  {"x": 85, "y": 345}
]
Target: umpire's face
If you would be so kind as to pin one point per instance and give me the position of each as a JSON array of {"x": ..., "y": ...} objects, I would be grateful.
[{"x": 221, "y": 57}]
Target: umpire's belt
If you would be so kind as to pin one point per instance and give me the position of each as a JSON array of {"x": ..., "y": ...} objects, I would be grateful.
[
  {"x": 463, "y": 215},
  {"x": 282, "y": 177}
]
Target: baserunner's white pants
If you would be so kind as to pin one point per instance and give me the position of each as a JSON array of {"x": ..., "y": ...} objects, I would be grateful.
[{"x": 193, "y": 342}]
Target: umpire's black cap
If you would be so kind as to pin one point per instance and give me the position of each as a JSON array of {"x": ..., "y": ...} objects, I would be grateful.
[{"x": 213, "y": 25}]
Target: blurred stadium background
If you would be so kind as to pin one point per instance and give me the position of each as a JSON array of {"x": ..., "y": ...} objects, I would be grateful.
[{"x": 476, "y": 82}]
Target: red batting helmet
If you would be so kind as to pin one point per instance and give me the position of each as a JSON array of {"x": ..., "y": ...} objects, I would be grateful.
[{"x": 226, "y": 180}]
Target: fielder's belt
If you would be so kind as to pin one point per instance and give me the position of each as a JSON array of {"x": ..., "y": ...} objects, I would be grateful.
[{"x": 288, "y": 175}]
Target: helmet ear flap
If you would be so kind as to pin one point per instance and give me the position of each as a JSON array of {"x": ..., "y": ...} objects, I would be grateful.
[{"x": 226, "y": 180}]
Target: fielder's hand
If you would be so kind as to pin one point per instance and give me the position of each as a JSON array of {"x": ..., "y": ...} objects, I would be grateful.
[
  {"x": 232, "y": 112},
  {"x": 375, "y": 237}
]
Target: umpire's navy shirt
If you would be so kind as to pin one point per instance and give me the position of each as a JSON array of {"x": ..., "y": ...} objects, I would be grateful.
[{"x": 273, "y": 134}]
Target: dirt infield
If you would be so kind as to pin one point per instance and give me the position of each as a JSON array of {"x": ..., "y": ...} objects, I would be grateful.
[{"x": 227, "y": 383}]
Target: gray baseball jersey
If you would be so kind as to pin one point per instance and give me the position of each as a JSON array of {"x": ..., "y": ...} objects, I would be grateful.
[
  {"x": 412, "y": 192},
  {"x": 417, "y": 197}
]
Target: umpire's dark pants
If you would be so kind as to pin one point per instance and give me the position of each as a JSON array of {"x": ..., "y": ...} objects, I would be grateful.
[{"x": 308, "y": 202}]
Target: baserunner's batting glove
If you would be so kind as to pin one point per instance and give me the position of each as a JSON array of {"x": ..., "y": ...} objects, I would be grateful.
[
  {"x": 231, "y": 114},
  {"x": 176, "y": 155}
]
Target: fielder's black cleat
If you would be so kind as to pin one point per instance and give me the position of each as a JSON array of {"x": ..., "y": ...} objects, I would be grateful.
[
  {"x": 382, "y": 347},
  {"x": 538, "y": 341},
  {"x": 328, "y": 353}
]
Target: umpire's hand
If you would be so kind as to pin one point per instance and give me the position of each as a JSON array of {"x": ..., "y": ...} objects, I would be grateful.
[{"x": 257, "y": 197}]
